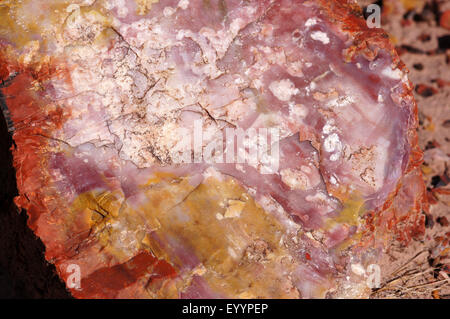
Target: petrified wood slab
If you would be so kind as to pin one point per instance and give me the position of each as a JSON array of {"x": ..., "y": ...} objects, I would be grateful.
[{"x": 107, "y": 99}]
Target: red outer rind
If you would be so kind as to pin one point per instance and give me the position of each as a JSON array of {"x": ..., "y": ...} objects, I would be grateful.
[
  {"x": 125, "y": 275},
  {"x": 33, "y": 123}
]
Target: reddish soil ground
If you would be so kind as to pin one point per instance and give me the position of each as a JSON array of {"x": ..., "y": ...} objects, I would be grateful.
[{"x": 421, "y": 31}]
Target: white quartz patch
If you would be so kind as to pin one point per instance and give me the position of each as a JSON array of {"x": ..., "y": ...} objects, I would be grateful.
[
  {"x": 183, "y": 4},
  {"x": 310, "y": 22},
  {"x": 295, "y": 179},
  {"x": 320, "y": 36},
  {"x": 396, "y": 74},
  {"x": 333, "y": 144},
  {"x": 283, "y": 90}
]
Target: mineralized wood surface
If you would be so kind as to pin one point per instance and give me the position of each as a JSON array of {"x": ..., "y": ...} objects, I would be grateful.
[{"x": 100, "y": 94}]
